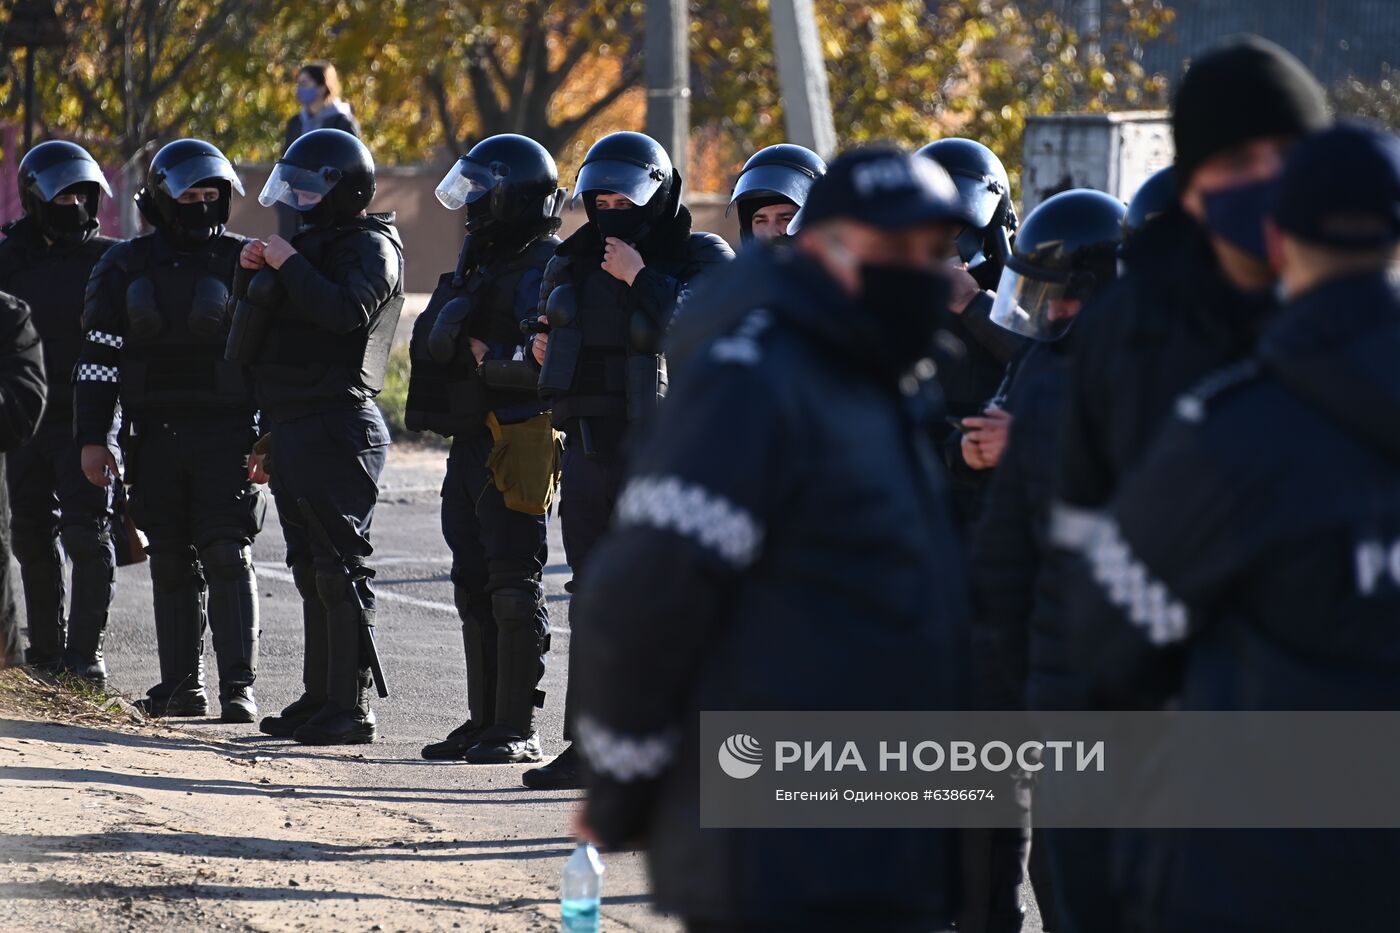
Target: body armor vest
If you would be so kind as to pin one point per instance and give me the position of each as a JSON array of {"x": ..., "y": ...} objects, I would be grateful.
[
  {"x": 172, "y": 353},
  {"x": 302, "y": 366},
  {"x": 446, "y": 394}
]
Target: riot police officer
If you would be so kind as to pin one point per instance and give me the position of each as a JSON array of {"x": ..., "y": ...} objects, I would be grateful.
[
  {"x": 771, "y": 189},
  {"x": 1154, "y": 197},
  {"x": 470, "y": 382},
  {"x": 1066, "y": 252},
  {"x": 972, "y": 353},
  {"x": 46, "y": 259},
  {"x": 156, "y": 323},
  {"x": 608, "y": 295},
  {"x": 315, "y": 318}
]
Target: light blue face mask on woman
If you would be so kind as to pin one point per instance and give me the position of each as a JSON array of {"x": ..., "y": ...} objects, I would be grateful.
[{"x": 308, "y": 95}]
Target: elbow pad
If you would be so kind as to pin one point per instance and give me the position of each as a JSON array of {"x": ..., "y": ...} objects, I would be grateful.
[{"x": 447, "y": 328}]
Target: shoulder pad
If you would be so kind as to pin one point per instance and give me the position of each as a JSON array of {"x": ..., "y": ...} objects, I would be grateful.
[
  {"x": 709, "y": 247},
  {"x": 123, "y": 254},
  {"x": 742, "y": 346},
  {"x": 1194, "y": 404}
]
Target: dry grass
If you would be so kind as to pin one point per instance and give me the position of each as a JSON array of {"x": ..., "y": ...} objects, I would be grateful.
[{"x": 63, "y": 698}]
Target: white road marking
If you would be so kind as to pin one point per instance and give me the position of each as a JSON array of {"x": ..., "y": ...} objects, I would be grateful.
[{"x": 276, "y": 572}]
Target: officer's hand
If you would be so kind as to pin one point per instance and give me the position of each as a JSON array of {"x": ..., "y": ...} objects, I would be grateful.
[
  {"x": 585, "y": 833},
  {"x": 278, "y": 251},
  {"x": 99, "y": 465},
  {"x": 257, "y": 468},
  {"x": 479, "y": 350},
  {"x": 260, "y": 461},
  {"x": 252, "y": 256},
  {"x": 540, "y": 343},
  {"x": 621, "y": 261},
  {"x": 964, "y": 288},
  {"x": 988, "y": 436}
]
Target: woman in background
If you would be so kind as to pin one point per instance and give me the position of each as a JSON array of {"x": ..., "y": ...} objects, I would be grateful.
[{"x": 318, "y": 92}]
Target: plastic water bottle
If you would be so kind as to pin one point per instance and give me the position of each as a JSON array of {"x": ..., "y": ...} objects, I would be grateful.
[{"x": 582, "y": 891}]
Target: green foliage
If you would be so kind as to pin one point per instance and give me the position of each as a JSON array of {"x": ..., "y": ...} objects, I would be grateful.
[{"x": 426, "y": 74}]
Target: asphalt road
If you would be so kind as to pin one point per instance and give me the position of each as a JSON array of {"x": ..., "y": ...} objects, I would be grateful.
[{"x": 420, "y": 644}]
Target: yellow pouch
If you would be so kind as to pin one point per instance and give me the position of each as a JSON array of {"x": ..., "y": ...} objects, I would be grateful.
[{"x": 525, "y": 462}]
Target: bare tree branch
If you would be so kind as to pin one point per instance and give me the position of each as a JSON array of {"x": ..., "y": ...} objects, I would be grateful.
[{"x": 565, "y": 130}]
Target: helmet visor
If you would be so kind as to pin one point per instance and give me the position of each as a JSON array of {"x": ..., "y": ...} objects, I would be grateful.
[
  {"x": 297, "y": 188},
  {"x": 182, "y": 176},
  {"x": 782, "y": 180},
  {"x": 50, "y": 182},
  {"x": 467, "y": 181},
  {"x": 635, "y": 182},
  {"x": 1033, "y": 307}
]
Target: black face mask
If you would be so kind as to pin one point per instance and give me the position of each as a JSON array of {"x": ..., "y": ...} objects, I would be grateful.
[
  {"x": 627, "y": 225},
  {"x": 65, "y": 223},
  {"x": 197, "y": 222},
  {"x": 907, "y": 301}
]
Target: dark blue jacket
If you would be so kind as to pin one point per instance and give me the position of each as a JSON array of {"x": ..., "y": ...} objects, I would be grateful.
[
  {"x": 1247, "y": 563},
  {"x": 1017, "y": 644},
  {"x": 783, "y": 541}
]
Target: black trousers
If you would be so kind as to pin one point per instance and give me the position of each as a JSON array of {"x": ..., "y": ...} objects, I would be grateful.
[
  {"x": 188, "y": 482},
  {"x": 493, "y": 547},
  {"x": 332, "y": 460},
  {"x": 589, "y": 489},
  {"x": 52, "y": 500}
]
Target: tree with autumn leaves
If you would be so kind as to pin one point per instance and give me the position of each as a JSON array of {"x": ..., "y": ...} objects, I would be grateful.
[{"x": 426, "y": 76}]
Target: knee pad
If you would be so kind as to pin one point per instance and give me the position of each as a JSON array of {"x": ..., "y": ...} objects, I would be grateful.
[
  {"x": 516, "y": 607},
  {"x": 84, "y": 543},
  {"x": 304, "y": 576},
  {"x": 171, "y": 572},
  {"x": 226, "y": 560}
]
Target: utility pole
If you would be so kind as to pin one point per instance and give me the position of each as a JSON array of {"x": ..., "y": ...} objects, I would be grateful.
[
  {"x": 802, "y": 76},
  {"x": 668, "y": 77},
  {"x": 34, "y": 24}
]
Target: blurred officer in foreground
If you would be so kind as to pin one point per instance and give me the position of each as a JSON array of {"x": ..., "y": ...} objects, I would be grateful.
[
  {"x": 725, "y": 565},
  {"x": 1222, "y": 578},
  {"x": 1198, "y": 286},
  {"x": 315, "y": 319},
  {"x": 22, "y": 392},
  {"x": 1196, "y": 290},
  {"x": 45, "y": 260},
  {"x": 972, "y": 353},
  {"x": 470, "y": 382},
  {"x": 156, "y": 322},
  {"x": 771, "y": 188},
  {"x": 608, "y": 296},
  {"x": 1065, "y": 253}
]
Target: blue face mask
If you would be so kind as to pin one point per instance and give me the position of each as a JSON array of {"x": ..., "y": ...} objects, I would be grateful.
[
  {"x": 308, "y": 95},
  {"x": 1236, "y": 215}
]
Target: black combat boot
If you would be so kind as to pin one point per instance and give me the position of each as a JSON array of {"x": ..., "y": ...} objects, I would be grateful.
[
  {"x": 565, "y": 772},
  {"x": 346, "y": 718},
  {"x": 522, "y": 640},
  {"x": 178, "y": 607},
  {"x": 479, "y": 645},
  {"x": 313, "y": 659},
  {"x": 233, "y": 621}
]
